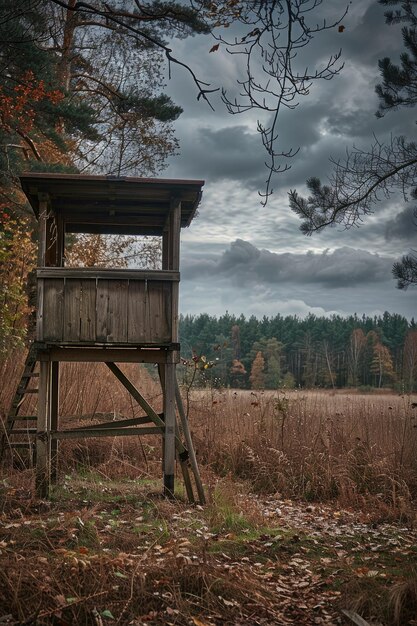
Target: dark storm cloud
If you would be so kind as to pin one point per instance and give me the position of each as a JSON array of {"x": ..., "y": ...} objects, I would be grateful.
[
  {"x": 246, "y": 264},
  {"x": 232, "y": 153},
  {"x": 403, "y": 226},
  {"x": 369, "y": 38}
]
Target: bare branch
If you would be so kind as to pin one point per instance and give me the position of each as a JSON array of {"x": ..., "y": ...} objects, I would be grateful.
[{"x": 276, "y": 32}]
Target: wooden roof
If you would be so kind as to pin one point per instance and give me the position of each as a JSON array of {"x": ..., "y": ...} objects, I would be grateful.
[{"x": 109, "y": 204}]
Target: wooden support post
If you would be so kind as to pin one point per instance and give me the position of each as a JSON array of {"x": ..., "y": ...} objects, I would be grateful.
[
  {"x": 43, "y": 213},
  {"x": 165, "y": 250},
  {"x": 169, "y": 445},
  {"x": 181, "y": 457},
  {"x": 43, "y": 216},
  {"x": 54, "y": 412},
  {"x": 189, "y": 442},
  {"x": 43, "y": 469}
]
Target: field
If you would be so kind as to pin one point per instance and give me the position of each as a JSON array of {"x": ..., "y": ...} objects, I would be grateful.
[{"x": 310, "y": 516}]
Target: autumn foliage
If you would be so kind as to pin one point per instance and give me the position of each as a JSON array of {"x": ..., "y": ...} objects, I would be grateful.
[{"x": 18, "y": 107}]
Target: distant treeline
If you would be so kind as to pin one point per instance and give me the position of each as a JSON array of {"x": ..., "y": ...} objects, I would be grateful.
[{"x": 289, "y": 351}]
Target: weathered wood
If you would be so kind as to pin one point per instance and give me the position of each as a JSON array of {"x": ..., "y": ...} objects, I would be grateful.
[
  {"x": 60, "y": 240},
  {"x": 142, "y": 402},
  {"x": 43, "y": 213},
  {"x": 174, "y": 234},
  {"x": 72, "y": 308},
  {"x": 169, "y": 439},
  {"x": 71, "y": 354},
  {"x": 117, "y": 320},
  {"x": 133, "y": 421},
  {"x": 83, "y": 310},
  {"x": 174, "y": 322},
  {"x": 93, "y": 309},
  {"x": 39, "y": 310},
  {"x": 189, "y": 442},
  {"x": 165, "y": 249},
  {"x": 102, "y": 310},
  {"x": 158, "y": 312},
  {"x": 54, "y": 417},
  {"x": 181, "y": 458},
  {"x": 137, "y": 330},
  {"x": 43, "y": 470},
  {"x": 105, "y": 432},
  {"x": 53, "y": 309},
  {"x": 136, "y": 394},
  {"x": 88, "y": 311},
  {"x": 51, "y": 242},
  {"x": 107, "y": 274},
  {"x": 82, "y": 198}
]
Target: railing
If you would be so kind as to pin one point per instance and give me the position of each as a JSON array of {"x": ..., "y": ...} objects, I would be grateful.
[{"x": 88, "y": 306}]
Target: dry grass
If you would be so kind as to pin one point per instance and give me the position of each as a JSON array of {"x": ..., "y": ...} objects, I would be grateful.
[{"x": 358, "y": 448}]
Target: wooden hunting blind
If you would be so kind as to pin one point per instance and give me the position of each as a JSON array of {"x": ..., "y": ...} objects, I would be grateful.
[{"x": 92, "y": 314}]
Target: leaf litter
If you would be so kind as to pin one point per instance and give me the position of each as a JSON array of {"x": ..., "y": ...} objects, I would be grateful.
[{"x": 75, "y": 562}]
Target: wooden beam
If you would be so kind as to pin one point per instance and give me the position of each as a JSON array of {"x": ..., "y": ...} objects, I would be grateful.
[
  {"x": 136, "y": 394},
  {"x": 54, "y": 413},
  {"x": 134, "y": 421},
  {"x": 189, "y": 442},
  {"x": 174, "y": 234},
  {"x": 43, "y": 215},
  {"x": 108, "y": 274},
  {"x": 169, "y": 441},
  {"x": 100, "y": 354},
  {"x": 43, "y": 470},
  {"x": 142, "y": 402},
  {"x": 105, "y": 432},
  {"x": 181, "y": 458}
]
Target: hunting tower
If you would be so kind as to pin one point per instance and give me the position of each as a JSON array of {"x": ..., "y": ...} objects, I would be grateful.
[{"x": 92, "y": 314}]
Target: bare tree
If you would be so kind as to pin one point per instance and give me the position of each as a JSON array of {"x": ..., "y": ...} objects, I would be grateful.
[{"x": 277, "y": 76}]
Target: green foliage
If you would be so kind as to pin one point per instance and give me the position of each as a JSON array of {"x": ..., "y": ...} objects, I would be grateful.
[{"x": 310, "y": 352}]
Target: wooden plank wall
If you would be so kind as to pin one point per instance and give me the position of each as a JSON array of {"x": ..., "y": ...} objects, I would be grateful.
[{"x": 112, "y": 311}]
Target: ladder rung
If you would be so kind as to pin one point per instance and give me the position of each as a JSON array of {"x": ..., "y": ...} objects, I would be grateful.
[
  {"x": 16, "y": 418},
  {"x": 23, "y": 431},
  {"x": 31, "y": 375},
  {"x": 31, "y": 391},
  {"x": 21, "y": 444}
]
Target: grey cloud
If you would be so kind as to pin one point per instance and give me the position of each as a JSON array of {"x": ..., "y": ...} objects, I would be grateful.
[
  {"x": 232, "y": 153},
  {"x": 403, "y": 226},
  {"x": 246, "y": 265}
]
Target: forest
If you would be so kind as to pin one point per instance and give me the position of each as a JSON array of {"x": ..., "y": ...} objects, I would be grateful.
[{"x": 289, "y": 352}]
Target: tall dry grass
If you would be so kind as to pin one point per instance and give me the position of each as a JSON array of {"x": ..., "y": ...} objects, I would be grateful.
[
  {"x": 315, "y": 445},
  {"x": 358, "y": 448}
]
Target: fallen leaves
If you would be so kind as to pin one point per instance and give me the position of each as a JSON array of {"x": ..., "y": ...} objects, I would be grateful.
[{"x": 174, "y": 566}]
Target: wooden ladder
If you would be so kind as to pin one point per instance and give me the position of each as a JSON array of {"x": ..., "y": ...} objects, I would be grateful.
[{"x": 14, "y": 438}]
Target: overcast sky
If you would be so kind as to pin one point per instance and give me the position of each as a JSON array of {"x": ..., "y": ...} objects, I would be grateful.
[{"x": 244, "y": 258}]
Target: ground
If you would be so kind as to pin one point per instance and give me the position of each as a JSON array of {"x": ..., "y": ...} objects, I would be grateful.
[{"x": 105, "y": 551}]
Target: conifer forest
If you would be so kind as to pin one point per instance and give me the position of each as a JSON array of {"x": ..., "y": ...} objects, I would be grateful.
[{"x": 291, "y": 352}]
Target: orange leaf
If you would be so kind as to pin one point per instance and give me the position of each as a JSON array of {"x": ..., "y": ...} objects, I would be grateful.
[{"x": 214, "y": 49}]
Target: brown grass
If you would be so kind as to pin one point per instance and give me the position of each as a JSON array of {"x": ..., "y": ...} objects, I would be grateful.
[{"x": 360, "y": 449}]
